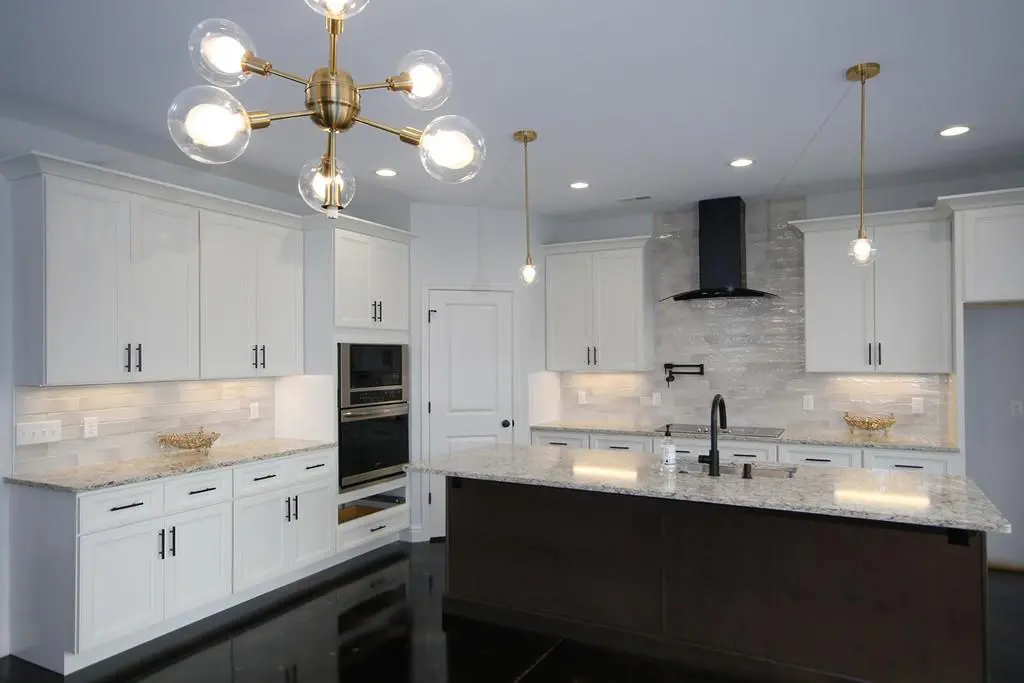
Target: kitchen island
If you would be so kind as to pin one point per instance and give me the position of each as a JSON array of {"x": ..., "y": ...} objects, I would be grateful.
[{"x": 816, "y": 574}]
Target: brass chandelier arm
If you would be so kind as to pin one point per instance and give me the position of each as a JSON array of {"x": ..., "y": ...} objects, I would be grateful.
[
  {"x": 410, "y": 136},
  {"x": 335, "y": 26},
  {"x": 263, "y": 119},
  {"x": 257, "y": 65},
  {"x": 400, "y": 83}
]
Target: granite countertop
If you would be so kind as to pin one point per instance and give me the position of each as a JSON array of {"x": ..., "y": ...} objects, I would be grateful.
[
  {"x": 796, "y": 437},
  {"x": 172, "y": 464},
  {"x": 900, "y": 497}
]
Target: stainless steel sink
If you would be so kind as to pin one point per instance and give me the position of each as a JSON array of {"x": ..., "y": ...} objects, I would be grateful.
[{"x": 735, "y": 470}]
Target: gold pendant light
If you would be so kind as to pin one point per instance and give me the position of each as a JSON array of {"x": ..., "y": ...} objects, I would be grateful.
[
  {"x": 528, "y": 272},
  {"x": 862, "y": 252}
]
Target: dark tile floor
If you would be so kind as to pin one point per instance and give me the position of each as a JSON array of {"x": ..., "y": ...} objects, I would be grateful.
[{"x": 383, "y": 623}]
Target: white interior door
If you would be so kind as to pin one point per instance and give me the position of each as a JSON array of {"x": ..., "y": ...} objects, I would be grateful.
[{"x": 470, "y": 366}]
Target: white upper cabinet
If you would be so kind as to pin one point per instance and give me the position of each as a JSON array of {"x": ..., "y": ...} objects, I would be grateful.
[
  {"x": 250, "y": 298},
  {"x": 894, "y": 316},
  {"x": 599, "y": 306},
  {"x": 371, "y": 282},
  {"x": 990, "y": 241}
]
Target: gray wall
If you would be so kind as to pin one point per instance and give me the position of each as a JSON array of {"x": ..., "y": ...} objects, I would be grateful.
[{"x": 994, "y": 376}]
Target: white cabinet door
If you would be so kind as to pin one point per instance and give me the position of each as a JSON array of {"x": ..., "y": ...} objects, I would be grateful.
[
  {"x": 162, "y": 315},
  {"x": 198, "y": 566},
  {"x": 87, "y": 241},
  {"x": 227, "y": 296},
  {"x": 279, "y": 317},
  {"x": 913, "y": 298},
  {"x": 314, "y": 522},
  {"x": 120, "y": 582},
  {"x": 993, "y": 241},
  {"x": 563, "y": 439},
  {"x": 261, "y": 539},
  {"x": 619, "y": 330},
  {"x": 570, "y": 311},
  {"x": 823, "y": 456},
  {"x": 839, "y": 302},
  {"x": 389, "y": 283},
  {"x": 353, "y": 305},
  {"x": 622, "y": 442}
]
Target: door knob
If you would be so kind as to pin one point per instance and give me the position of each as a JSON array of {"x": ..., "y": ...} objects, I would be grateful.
[{"x": 506, "y": 424}]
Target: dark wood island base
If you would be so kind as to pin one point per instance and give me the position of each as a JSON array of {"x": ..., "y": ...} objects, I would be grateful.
[{"x": 759, "y": 595}]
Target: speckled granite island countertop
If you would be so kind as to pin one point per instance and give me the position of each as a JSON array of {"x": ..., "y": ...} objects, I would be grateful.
[
  {"x": 174, "y": 463},
  {"x": 796, "y": 437},
  {"x": 899, "y": 497}
]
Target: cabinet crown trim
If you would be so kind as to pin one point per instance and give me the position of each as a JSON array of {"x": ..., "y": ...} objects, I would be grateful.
[
  {"x": 871, "y": 219},
  {"x": 39, "y": 163},
  {"x": 359, "y": 226},
  {"x": 596, "y": 245},
  {"x": 982, "y": 200}
]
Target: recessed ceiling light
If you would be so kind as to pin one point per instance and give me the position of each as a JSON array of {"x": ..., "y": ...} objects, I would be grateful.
[
  {"x": 579, "y": 186},
  {"x": 386, "y": 172},
  {"x": 953, "y": 131},
  {"x": 742, "y": 162}
]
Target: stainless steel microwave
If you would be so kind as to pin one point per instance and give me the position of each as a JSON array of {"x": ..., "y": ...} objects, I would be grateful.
[{"x": 372, "y": 374}]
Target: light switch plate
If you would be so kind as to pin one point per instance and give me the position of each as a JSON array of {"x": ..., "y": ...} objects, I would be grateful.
[
  {"x": 254, "y": 410},
  {"x": 90, "y": 427},
  {"x": 808, "y": 401},
  {"x": 581, "y": 397},
  {"x": 656, "y": 399},
  {"x": 29, "y": 433},
  {"x": 917, "y": 405},
  {"x": 1017, "y": 408}
]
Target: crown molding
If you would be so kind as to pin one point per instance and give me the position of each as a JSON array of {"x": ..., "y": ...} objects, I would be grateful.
[
  {"x": 852, "y": 222},
  {"x": 596, "y": 245},
  {"x": 982, "y": 200},
  {"x": 318, "y": 221}
]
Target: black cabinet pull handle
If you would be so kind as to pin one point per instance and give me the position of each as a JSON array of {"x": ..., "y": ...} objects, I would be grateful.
[
  {"x": 288, "y": 509},
  {"x": 380, "y": 311},
  {"x": 618, "y": 448},
  {"x": 118, "y": 508},
  {"x": 817, "y": 460},
  {"x": 879, "y": 354},
  {"x": 374, "y": 307},
  {"x": 378, "y": 528},
  {"x": 313, "y": 467},
  {"x": 744, "y": 455},
  {"x": 264, "y": 477},
  {"x": 557, "y": 443},
  {"x": 128, "y": 359},
  {"x": 256, "y": 356},
  {"x": 296, "y": 498},
  {"x": 595, "y": 355},
  {"x": 206, "y": 490},
  {"x": 160, "y": 553},
  {"x": 174, "y": 543},
  {"x": 909, "y": 467},
  {"x": 263, "y": 352},
  {"x": 138, "y": 364},
  {"x": 588, "y": 355},
  {"x": 870, "y": 361},
  {"x": 679, "y": 451}
]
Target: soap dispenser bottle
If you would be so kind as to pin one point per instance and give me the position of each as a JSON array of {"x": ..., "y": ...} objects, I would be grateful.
[{"x": 668, "y": 451}]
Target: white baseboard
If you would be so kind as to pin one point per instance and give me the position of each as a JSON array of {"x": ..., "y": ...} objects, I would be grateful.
[{"x": 415, "y": 535}]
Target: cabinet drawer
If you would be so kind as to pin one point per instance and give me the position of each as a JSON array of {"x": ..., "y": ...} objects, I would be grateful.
[
  {"x": 265, "y": 475},
  {"x": 197, "y": 490},
  {"x": 748, "y": 451},
  {"x": 901, "y": 461},
  {"x": 363, "y": 530},
  {"x": 566, "y": 439},
  {"x": 617, "y": 442},
  {"x": 314, "y": 465},
  {"x": 820, "y": 455},
  {"x": 120, "y": 506}
]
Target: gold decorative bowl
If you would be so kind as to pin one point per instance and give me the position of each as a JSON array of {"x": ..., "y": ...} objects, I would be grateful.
[
  {"x": 870, "y": 423},
  {"x": 190, "y": 441}
]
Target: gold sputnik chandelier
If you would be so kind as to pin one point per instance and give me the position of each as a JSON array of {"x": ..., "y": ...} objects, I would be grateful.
[{"x": 210, "y": 125}]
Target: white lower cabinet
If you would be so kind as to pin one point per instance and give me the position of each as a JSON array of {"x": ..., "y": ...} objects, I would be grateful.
[
  {"x": 563, "y": 439},
  {"x": 748, "y": 451},
  {"x": 912, "y": 461},
  {"x": 120, "y": 582},
  {"x": 197, "y": 558},
  {"x": 622, "y": 442},
  {"x": 826, "y": 456}
]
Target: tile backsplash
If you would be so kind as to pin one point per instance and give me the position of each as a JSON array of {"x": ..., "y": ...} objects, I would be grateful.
[
  {"x": 131, "y": 415},
  {"x": 752, "y": 349}
]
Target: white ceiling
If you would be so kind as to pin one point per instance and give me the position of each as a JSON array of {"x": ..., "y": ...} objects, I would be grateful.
[{"x": 645, "y": 97}]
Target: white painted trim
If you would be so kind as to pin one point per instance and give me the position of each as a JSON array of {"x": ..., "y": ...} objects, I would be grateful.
[
  {"x": 958, "y": 335},
  {"x": 597, "y": 245},
  {"x": 851, "y": 222},
  {"x": 415, "y": 534},
  {"x": 354, "y": 224},
  {"x": 982, "y": 200},
  {"x": 36, "y": 163}
]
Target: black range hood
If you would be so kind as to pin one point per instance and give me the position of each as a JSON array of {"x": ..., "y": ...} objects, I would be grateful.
[{"x": 722, "y": 246}]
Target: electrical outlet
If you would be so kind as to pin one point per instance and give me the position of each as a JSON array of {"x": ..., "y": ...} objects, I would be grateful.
[
  {"x": 581, "y": 397},
  {"x": 656, "y": 399},
  {"x": 917, "y": 405},
  {"x": 1017, "y": 408},
  {"x": 254, "y": 410},
  {"x": 90, "y": 427},
  {"x": 29, "y": 433},
  {"x": 808, "y": 402}
]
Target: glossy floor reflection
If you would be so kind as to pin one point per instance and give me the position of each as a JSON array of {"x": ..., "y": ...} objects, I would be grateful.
[{"x": 383, "y": 623}]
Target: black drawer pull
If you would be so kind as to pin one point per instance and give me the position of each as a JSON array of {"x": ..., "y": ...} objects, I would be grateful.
[
  {"x": 679, "y": 451},
  {"x": 618, "y": 448},
  {"x": 206, "y": 490},
  {"x": 264, "y": 477},
  {"x": 378, "y": 528},
  {"x": 817, "y": 460},
  {"x": 313, "y": 467},
  {"x": 909, "y": 467},
  {"x": 126, "y": 507},
  {"x": 557, "y": 443},
  {"x": 744, "y": 455}
]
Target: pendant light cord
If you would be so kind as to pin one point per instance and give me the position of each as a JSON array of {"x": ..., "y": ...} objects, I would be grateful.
[
  {"x": 526, "y": 196},
  {"x": 861, "y": 233}
]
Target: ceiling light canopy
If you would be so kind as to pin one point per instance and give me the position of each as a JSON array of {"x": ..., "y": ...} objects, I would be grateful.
[
  {"x": 742, "y": 162},
  {"x": 210, "y": 125},
  {"x": 579, "y": 185},
  {"x": 954, "y": 131}
]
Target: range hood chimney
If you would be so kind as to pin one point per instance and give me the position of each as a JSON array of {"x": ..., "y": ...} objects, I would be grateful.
[{"x": 722, "y": 245}]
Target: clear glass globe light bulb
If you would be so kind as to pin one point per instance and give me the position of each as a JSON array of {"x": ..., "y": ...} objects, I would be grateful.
[
  {"x": 209, "y": 124},
  {"x": 452, "y": 150},
  {"x": 431, "y": 79},
  {"x": 862, "y": 252},
  {"x": 313, "y": 184},
  {"x": 341, "y": 9},
  {"x": 217, "y": 47},
  {"x": 528, "y": 273}
]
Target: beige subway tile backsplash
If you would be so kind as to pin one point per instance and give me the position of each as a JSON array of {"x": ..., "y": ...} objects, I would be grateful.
[{"x": 132, "y": 415}]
